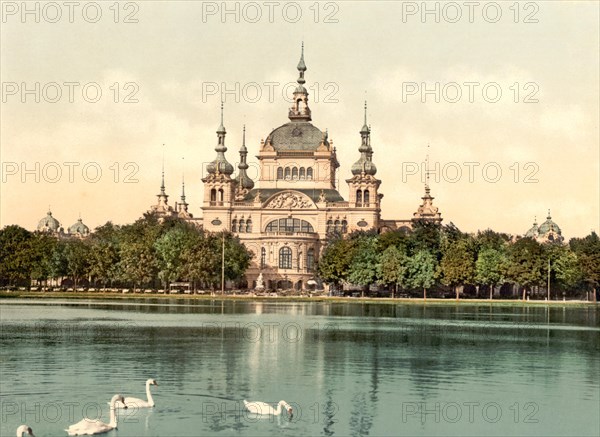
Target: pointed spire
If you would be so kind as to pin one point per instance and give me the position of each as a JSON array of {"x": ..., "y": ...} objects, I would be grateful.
[
  {"x": 221, "y": 128},
  {"x": 162, "y": 180},
  {"x": 220, "y": 164},
  {"x": 243, "y": 180},
  {"x": 365, "y": 128},
  {"x": 549, "y": 218},
  {"x": 300, "y": 111},
  {"x": 365, "y": 165},
  {"x": 183, "y": 180},
  {"x": 427, "y": 189}
]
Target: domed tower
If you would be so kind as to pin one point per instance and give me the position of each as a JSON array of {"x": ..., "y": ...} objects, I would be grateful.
[
  {"x": 79, "y": 229},
  {"x": 162, "y": 209},
  {"x": 219, "y": 187},
  {"x": 363, "y": 185},
  {"x": 533, "y": 230},
  {"x": 549, "y": 232},
  {"x": 50, "y": 225}
]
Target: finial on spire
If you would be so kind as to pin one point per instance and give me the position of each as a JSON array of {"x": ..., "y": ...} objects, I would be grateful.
[
  {"x": 427, "y": 171},
  {"x": 221, "y": 129},
  {"x": 162, "y": 181},
  {"x": 301, "y": 65},
  {"x": 548, "y": 214},
  {"x": 244, "y": 137}
]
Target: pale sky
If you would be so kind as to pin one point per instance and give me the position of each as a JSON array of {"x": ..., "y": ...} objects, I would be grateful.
[{"x": 541, "y": 132}]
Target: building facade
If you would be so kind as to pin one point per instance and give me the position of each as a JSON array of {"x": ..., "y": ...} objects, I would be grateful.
[{"x": 286, "y": 217}]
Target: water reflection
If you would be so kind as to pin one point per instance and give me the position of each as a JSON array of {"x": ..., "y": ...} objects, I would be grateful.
[{"x": 348, "y": 369}]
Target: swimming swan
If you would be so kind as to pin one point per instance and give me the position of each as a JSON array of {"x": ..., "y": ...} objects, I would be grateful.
[
  {"x": 140, "y": 403},
  {"x": 24, "y": 429},
  {"x": 263, "y": 408},
  {"x": 89, "y": 427}
]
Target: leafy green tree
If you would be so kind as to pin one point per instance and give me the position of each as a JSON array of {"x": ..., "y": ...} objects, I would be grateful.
[
  {"x": 15, "y": 261},
  {"x": 587, "y": 250},
  {"x": 76, "y": 253},
  {"x": 568, "y": 270},
  {"x": 364, "y": 268},
  {"x": 334, "y": 264},
  {"x": 490, "y": 267},
  {"x": 526, "y": 264},
  {"x": 170, "y": 247},
  {"x": 41, "y": 251},
  {"x": 421, "y": 270},
  {"x": 458, "y": 264},
  {"x": 394, "y": 267},
  {"x": 104, "y": 253},
  {"x": 426, "y": 235}
]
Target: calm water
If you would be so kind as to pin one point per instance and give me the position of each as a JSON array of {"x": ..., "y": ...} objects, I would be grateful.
[{"x": 347, "y": 369}]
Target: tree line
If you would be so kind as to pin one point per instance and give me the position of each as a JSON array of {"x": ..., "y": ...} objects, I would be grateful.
[
  {"x": 147, "y": 253},
  {"x": 444, "y": 258}
]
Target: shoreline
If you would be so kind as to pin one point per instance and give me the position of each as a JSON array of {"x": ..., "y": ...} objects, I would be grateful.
[{"x": 9, "y": 295}]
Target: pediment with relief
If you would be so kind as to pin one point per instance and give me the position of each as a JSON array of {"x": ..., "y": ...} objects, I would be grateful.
[{"x": 289, "y": 200}]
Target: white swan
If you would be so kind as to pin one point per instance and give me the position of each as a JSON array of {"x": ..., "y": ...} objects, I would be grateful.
[
  {"x": 89, "y": 427},
  {"x": 24, "y": 429},
  {"x": 140, "y": 403},
  {"x": 263, "y": 408}
]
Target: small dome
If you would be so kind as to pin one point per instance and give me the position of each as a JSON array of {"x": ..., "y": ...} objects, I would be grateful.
[
  {"x": 549, "y": 226},
  {"x": 48, "y": 223},
  {"x": 245, "y": 182},
  {"x": 222, "y": 164},
  {"x": 79, "y": 228},
  {"x": 364, "y": 164},
  {"x": 533, "y": 231},
  {"x": 296, "y": 136}
]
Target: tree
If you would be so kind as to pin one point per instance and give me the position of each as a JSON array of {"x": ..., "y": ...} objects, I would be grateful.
[
  {"x": 170, "y": 247},
  {"x": 422, "y": 270},
  {"x": 41, "y": 251},
  {"x": 426, "y": 235},
  {"x": 568, "y": 270},
  {"x": 490, "y": 267},
  {"x": 458, "y": 264},
  {"x": 394, "y": 267},
  {"x": 364, "y": 268},
  {"x": 526, "y": 264},
  {"x": 104, "y": 253},
  {"x": 76, "y": 254},
  {"x": 334, "y": 264},
  {"x": 15, "y": 262},
  {"x": 587, "y": 250}
]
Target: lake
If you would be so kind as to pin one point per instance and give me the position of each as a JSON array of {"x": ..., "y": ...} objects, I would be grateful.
[{"x": 347, "y": 369}]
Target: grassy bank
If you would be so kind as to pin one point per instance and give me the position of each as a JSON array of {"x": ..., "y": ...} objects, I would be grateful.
[{"x": 246, "y": 297}]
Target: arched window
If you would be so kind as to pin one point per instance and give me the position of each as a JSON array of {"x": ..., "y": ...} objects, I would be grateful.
[
  {"x": 285, "y": 258},
  {"x": 295, "y": 173},
  {"x": 309, "y": 173},
  {"x": 289, "y": 226},
  {"x": 213, "y": 195},
  {"x": 241, "y": 227},
  {"x": 329, "y": 226},
  {"x": 366, "y": 198},
  {"x": 302, "y": 173},
  {"x": 263, "y": 257},
  {"x": 279, "y": 173},
  {"x": 344, "y": 226},
  {"x": 234, "y": 225},
  {"x": 220, "y": 194},
  {"x": 338, "y": 227},
  {"x": 248, "y": 225},
  {"x": 287, "y": 172},
  {"x": 359, "y": 197},
  {"x": 310, "y": 259}
]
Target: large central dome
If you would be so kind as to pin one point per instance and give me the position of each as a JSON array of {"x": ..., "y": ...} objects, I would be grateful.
[{"x": 296, "y": 136}]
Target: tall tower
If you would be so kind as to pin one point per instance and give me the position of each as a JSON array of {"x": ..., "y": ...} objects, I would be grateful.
[
  {"x": 363, "y": 186},
  {"x": 427, "y": 211},
  {"x": 300, "y": 110},
  {"x": 219, "y": 187}
]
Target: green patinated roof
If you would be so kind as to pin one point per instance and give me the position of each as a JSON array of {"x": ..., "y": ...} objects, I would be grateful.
[
  {"x": 296, "y": 136},
  {"x": 330, "y": 195}
]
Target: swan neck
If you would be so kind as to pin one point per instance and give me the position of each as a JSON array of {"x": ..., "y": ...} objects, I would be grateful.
[
  {"x": 113, "y": 415},
  {"x": 149, "y": 394}
]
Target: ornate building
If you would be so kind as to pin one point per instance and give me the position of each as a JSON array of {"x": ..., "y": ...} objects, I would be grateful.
[
  {"x": 287, "y": 215},
  {"x": 53, "y": 227},
  {"x": 547, "y": 232}
]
